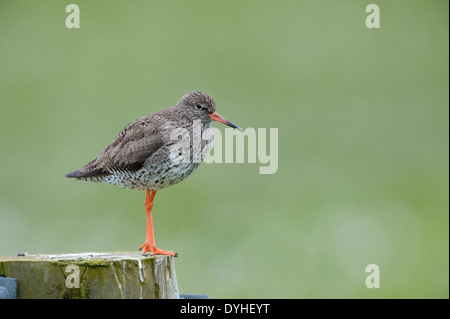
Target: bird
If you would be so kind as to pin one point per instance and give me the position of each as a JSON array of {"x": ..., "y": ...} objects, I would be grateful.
[{"x": 157, "y": 151}]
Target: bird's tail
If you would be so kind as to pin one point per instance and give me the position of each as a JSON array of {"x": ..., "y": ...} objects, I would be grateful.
[{"x": 80, "y": 173}]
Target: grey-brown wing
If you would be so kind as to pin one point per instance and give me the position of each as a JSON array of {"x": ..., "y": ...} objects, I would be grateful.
[{"x": 134, "y": 144}]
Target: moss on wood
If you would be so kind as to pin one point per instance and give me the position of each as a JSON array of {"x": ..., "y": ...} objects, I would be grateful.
[{"x": 101, "y": 275}]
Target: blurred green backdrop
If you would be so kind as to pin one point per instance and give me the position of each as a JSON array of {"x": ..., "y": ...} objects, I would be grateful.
[{"x": 363, "y": 140}]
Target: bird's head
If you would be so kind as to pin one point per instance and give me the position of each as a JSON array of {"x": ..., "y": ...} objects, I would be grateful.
[{"x": 200, "y": 105}]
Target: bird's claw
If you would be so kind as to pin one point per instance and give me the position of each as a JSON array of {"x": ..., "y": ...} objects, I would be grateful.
[{"x": 147, "y": 248}]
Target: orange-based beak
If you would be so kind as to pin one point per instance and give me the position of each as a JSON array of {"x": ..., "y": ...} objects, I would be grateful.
[{"x": 216, "y": 117}]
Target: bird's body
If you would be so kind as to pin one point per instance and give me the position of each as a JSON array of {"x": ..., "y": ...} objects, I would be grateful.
[
  {"x": 145, "y": 156},
  {"x": 140, "y": 156}
]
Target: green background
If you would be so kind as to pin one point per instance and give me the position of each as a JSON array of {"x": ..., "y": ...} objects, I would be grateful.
[{"x": 362, "y": 117}]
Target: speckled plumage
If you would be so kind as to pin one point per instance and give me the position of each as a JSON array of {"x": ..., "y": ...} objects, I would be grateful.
[
  {"x": 139, "y": 157},
  {"x": 146, "y": 155}
]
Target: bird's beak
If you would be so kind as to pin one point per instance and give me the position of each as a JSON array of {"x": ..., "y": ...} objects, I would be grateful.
[{"x": 216, "y": 117}]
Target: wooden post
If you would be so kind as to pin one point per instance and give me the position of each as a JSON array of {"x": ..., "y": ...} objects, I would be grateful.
[{"x": 92, "y": 275}]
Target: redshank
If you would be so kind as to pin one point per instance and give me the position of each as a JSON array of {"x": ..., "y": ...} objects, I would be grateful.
[{"x": 141, "y": 156}]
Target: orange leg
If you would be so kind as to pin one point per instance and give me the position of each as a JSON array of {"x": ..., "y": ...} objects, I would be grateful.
[{"x": 150, "y": 244}]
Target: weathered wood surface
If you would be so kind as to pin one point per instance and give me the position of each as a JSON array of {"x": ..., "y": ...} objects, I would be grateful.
[{"x": 92, "y": 275}]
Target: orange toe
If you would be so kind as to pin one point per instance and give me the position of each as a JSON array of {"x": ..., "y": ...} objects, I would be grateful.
[{"x": 147, "y": 248}]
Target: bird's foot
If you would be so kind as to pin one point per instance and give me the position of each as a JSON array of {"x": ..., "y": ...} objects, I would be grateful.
[{"x": 147, "y": 248}]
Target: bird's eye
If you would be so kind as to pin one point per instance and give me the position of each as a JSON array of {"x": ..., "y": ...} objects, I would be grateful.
[{"x": 198, "y": 106}]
